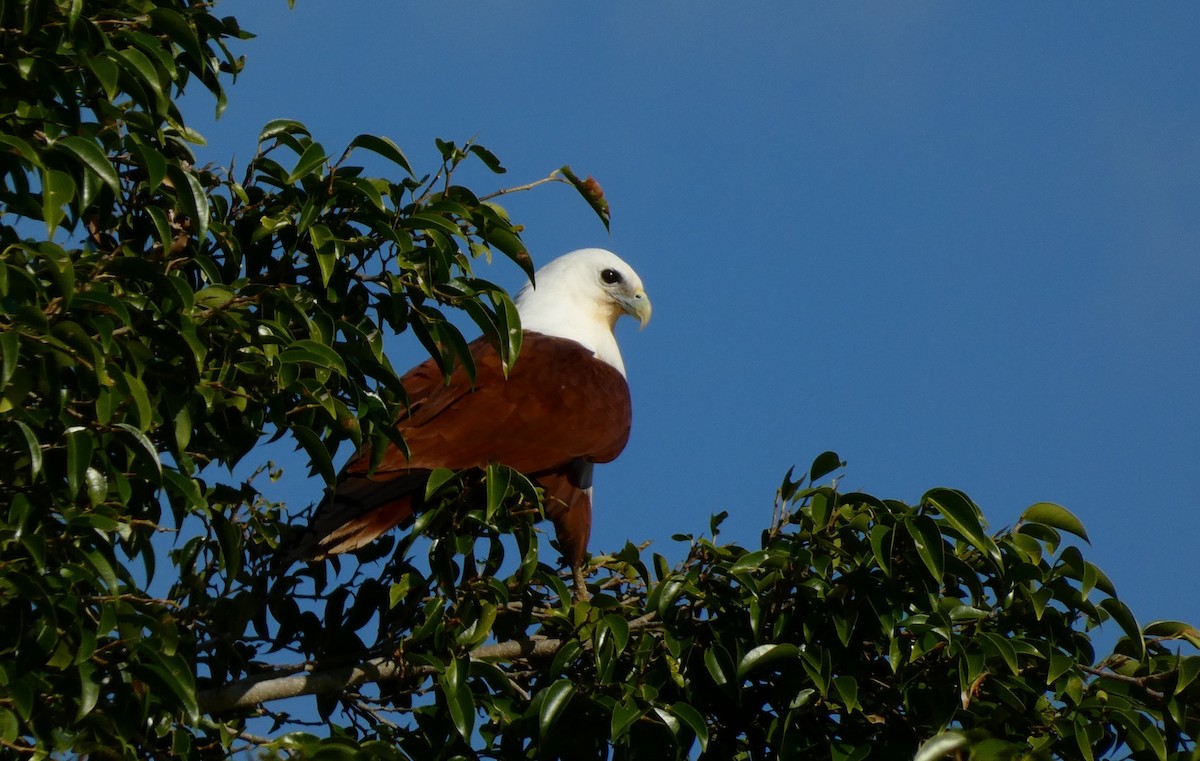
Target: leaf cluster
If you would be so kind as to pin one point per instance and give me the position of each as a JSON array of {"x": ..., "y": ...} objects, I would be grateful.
[
  {"x": 158, "y": 321},
  {"x": 858, "y": 628}
]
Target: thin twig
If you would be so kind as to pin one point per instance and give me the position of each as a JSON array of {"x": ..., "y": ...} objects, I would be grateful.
[
  {"x": 553, "y": 177},
  {"x": 1137, "y": 681}
]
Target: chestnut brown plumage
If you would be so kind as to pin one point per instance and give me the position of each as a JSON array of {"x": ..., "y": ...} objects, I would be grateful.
[
  {"x": 564, "y": 406},
  {"x": 549, "y": 425}
]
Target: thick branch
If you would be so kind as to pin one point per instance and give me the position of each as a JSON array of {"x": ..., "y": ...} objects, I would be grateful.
[
  {"x": 262, "y": 689},
  {"x": 267, "y": 687}
]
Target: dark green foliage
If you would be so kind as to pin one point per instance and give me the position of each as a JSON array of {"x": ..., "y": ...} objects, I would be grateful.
[
  {"x": 859, "y": 628},
  {"x": 159, "y": 320}
]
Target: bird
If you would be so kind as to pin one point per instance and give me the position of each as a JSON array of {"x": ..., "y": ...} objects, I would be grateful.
[{"x": 563, "y": 407}]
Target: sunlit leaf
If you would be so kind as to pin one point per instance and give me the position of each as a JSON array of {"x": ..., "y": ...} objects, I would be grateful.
[
  {"x": 555, "y": 699},
  {"x": 763, "y": 656},
  {"x": 1056, "y": 516},
  {"x": 58, "y": 189},
  {"x": 929, "y": 544},
  {"x": 962, "y": 514}
]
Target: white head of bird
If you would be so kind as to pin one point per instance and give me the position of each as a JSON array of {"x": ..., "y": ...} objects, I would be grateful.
[{"x": 580, "y": 296}]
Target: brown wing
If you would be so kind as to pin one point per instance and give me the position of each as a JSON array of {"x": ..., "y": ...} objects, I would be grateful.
[{"x": 560, "y": 408}]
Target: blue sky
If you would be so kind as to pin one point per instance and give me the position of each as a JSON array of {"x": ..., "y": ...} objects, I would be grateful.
[{"x": 955, "y": 243}]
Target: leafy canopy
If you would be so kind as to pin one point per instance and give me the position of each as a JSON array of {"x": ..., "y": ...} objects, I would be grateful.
[{"x": 159, "y": 320}]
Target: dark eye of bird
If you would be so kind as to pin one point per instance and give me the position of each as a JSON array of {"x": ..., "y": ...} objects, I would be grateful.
[{"x": 610, "y": 276}]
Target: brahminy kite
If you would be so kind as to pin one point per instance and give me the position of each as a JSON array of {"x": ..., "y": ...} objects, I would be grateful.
[{"x": 564, "y": 406}]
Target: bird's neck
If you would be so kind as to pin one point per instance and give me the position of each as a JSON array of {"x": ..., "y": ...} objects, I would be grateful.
[{"x": 593, "y": 331}]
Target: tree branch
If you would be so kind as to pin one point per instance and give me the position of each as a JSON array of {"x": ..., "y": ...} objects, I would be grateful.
[
  {"x": 269, "y": 687},
  {"x": 265, "y": 688}
]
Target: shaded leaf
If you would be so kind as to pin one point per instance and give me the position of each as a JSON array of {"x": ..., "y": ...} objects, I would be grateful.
[
  {"x": 1124, "y": 618},
  {"x": 92, "y": 157},
  {"x": 384, "y": 147}
]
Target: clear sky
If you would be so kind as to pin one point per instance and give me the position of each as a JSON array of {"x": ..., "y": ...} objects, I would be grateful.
[{"x": 955, "y": 243}]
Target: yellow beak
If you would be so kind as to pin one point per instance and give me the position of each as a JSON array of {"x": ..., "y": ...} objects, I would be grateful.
[{"x": 636, "y": 305}]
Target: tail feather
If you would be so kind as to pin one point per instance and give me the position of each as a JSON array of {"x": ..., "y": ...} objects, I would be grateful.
[{"x": 359, "y": 510}]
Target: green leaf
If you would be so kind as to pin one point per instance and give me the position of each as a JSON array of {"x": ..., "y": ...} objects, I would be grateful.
[
  {"x": 623, "y": 716},
  {"x": 97, "y": 486},
  {"x": 497, "y": 481},
  {"x": 175, "y": 674},
  {"x": 79, "y": 456},
  {"x": 142, "y": 70},
  {"x": 10, "y": 727},
  {"x": 824, "y": 464},
  {"x": 141, "y": 399},
  {"x": 93, "y": 158},
  {"x": 942, "y": 746},
  {"x": 384, "y": 147},
  {"x": 177, "y": 31},
  {"x": 749, "y": 561},
  {"x": 881, "y": 547},
  {"x": 214, "y": 296},
  {"x": 1055, "y": 516},
  {"x": 1059, "y": 664},
  {"x": 143, "y": 446},
  {"x": 619, "y": 629},
  {"x": 481, "y": 627},
  {"x": 22, "y": 149},
  {"x": 326, "y": 248},
  {"x": 437, "y": 478},
  {"x": 423, "y": 220},
  {"x": 928, "y": 540},
  {"x": 308, "y": 351},
  {"x": 555, "y": 700},
  {"x": 89, "y": 690},
  {"x": 847, "y": 688},
  {"x": 964, "y": 516},
  {"x": 764, "y": 655},
  {"x": 1189, "y": 669},
  {"x": 35, "y": 449},
  {"x": 1173, "y": 630},
  {"x": 1124, "y": 618},
  {"x": 102, "y": 301},
  {"x": 162, "y": 226},
  {"x": 57, "y": 191},
  {"x": 695, "y": 721},
  {"x": 192, "y": 199},
  {"x": 107, "y": 74},
  {"x": 318, "y": 455},
  {"x": 821, "y": 507},
  {"x": 1004, "y": 649},
  {"x": 278, "y": 127},
  {"x": 10, "y": 355},
  {"x": 510, "y": 328},
  {"x": 154, "y": 164},
  {"x": 62, "y": 269},
  {"x": 313, "y": 157},
  {"x": 459, "y": 701},
  {"x": 488, "y": 158},
  {"x": 719, "y": 665}
]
